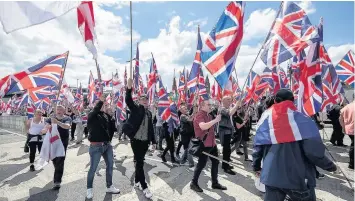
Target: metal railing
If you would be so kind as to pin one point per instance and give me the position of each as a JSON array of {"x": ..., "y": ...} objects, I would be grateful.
[{"x": 13, "y": 122}]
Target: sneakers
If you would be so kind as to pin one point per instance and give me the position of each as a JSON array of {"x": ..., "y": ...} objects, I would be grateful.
[
  {"x": 56, "y": 186},
  {"x": 32, "y": 168},
  {"x": 163, "y": 159},
  {"x": 138, "y": 185},
  {"x": 89, "y": 193},
  {"x": 320, "y": 176},
  {"x": 195, "y": 187},
  {"x": 147, "y": 193},
  {"x": 113, "y": 190}
]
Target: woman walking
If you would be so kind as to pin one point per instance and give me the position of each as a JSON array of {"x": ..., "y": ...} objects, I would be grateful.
[{"x": 34, "y": 128}]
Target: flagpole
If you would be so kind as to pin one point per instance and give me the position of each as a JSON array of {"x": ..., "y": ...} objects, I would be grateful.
[
  {"x": 130, "y": 69},
  {"x": 61, "y": 80},
  {"x": 99, "y": 77},
  {"x": 262, "y": 47}
]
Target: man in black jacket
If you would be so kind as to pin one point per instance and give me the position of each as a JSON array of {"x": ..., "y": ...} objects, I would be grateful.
[
  {"x": 101, "y": 129},
  {"x": 139, "y": 128},
  {"x": 337, "y": 136}
]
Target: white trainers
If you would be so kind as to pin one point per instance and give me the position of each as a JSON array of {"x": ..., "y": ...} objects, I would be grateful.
[
  {"x": 147, "y": 193},
  {"x": 138, "y": 185},
  {"x": 89, "y": 193},
  {"x": 113, "y": 190}
]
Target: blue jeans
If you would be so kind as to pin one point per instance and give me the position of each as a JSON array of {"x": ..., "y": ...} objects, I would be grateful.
[
  {"x": 96, "y": 151},
  {"x": 277, "y": 194}
]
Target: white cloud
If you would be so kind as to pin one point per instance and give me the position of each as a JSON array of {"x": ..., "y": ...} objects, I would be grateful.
[
  {"x": 307, "y": 6},
  {"x": 24, "y": 48},
  {"x": 259, "y": 23},
  {"x": 336, "y": 53},
  {"x": 202, "y": 22},
  {"x": 171, "y": 13},
  {"x": 114, "y": 4}
]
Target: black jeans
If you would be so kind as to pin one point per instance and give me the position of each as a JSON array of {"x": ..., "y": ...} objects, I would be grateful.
[
  {"x": 58, "y": 163},
  {"x": 278, "y": 194},
  {"x": 179, "y": 147},
  {"x": 202, "y": 161},
  {"x": 226, "y": 150},
  {"x": 86, "y": 132},
  {"x": 72, "y": 130},
  {"x": 351, "y": 150},
  {"x": 337, "y": 135},
  {"x": 33, "y": 146},
  {"x": 139, "y": 149},
  {"x": 169, "y": 147}
]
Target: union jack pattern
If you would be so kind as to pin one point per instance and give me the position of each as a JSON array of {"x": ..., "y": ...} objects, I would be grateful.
[
  {"x": 252, "y": 82},
  {"x": 291, "y": 33},
  {"x": 223, "y": 43},
  {"x": 46, "y": 73},
  {"x": 153, "y": 79},
  {"x": 167, "y": 109},
  {"x": 346, "y": 69},
  {"x": 192, "y": 83},
  {"x": 92, "y": 95}
]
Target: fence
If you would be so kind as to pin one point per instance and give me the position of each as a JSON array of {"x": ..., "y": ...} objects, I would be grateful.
[{"x": 13, "y": 122}]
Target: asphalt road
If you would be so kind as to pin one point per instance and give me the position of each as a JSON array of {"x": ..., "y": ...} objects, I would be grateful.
[{"x": 167, "y": 182}]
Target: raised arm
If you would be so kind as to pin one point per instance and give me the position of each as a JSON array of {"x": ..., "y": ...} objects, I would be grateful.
[
  {"x": 207, "y": 125},
  {"x": 97, "y": 108},
  {"x": 129, "y": 100}
]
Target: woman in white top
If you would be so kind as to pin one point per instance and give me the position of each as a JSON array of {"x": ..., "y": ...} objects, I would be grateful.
[{"x": 35, "y": 126}]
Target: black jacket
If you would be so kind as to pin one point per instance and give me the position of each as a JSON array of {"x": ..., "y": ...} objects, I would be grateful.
[
  {"x": 137, "y": 113},
  {"x": 100, "y": 125}
]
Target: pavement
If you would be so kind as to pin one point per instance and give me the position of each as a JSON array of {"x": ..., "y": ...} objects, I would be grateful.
[{"x": 166, "y": 181}]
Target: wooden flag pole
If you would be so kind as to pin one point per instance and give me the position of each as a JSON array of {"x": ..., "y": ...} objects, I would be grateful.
[
  {"x": 99, "y": 76},
  {"x": 262, "y": 47},
  {"x": 61, "y": 79},
  {"x": 130, "y": 69}
]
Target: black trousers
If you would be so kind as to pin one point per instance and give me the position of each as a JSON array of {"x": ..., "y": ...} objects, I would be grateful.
[
  {"x": 86, "y": 132},
  {"x": 58, "y": 163},
  {"x": 351, "y": 150},
  {"x": 185, "y": 141},
  {"x": 72, "y": 131},
  {"x": 33, "y": 146},
  {"x": 179, "y": 147},
  {"x": 169, "y": 147},
  {"x": 202, "y": 161},
  {"x": 139, "y": 149},
  {"x": 337, "y": 135},
  {"x": 226, "y": 150}
]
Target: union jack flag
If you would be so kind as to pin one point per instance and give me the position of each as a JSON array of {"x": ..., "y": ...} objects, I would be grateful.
[
  {"x": 310, "y": 95},
  {"x": 46, "y": 73},
  {"x": 43, "y": 104},
  {"x": 202, "y": 92},
  {"x": 192, "y": 83},
  {"x": 79, "y": 93},
  {"x": 267, "y": 77},
  {"x": 216, "y": 92},
  {"x": 223, "y": 43},
  {"x": 346, "y": 69},
  {"x": 252, "y": 82},
  {"x": 283, "y": 78},
  {"x": 136, "y": 73},
  {"x": 182, "y": 88},
  {"x": 167, "y": 110},
  {"x": 31, "y": 108},
  {"x": 36, "y": 95},
  {"x": 297, "y": 62},
  {"x": 291, "y": 33},
  {"x": 92, "y": 95},
  {"x": 153, "y": 78},
  {"x": 121, "y": 108},
  {"x": 125, "y": 76}
]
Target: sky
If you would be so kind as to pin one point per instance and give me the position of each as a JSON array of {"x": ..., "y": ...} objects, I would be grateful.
[{"x": 168, "y": 30}]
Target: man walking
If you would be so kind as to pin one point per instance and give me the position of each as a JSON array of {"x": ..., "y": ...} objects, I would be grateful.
[
  {"x": 139, "y": 128},
  {"x": 347, "y": 122},
  {"x": 63, "y": 123},
  {"x": 203, "y": 127},
  {"x": 337, "y": 136},
  {"x": 290, "y": 151},
  {"x": 225, "y": 130},
  {"x": 101, "y": 130}
]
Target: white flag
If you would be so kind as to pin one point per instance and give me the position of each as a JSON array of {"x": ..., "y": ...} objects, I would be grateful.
[{"x": 15, "y": 15}]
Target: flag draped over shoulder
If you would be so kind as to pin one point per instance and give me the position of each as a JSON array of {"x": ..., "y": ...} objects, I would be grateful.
[
  {"x": 15, "y": 15},
  {"x": 282, "y": 123},
  {"x": 52, "y": 147}
]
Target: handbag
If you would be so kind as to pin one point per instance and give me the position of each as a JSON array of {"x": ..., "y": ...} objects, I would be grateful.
[{"x": 196, "y": 145}]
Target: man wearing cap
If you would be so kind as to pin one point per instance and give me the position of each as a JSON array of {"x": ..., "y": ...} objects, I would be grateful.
[
  {"x": 290, "y": 146},
  {"x": 225, "y": 130},
  {"x": 139, "y": 128}
]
